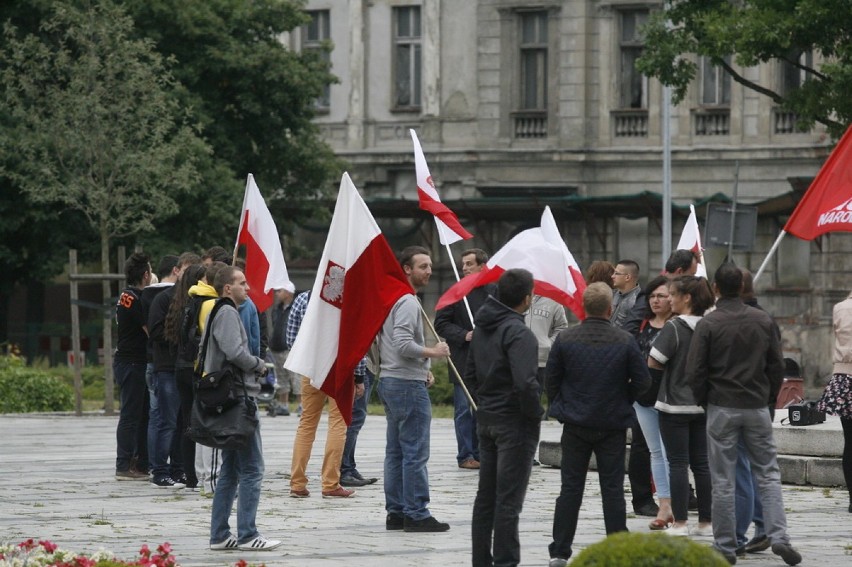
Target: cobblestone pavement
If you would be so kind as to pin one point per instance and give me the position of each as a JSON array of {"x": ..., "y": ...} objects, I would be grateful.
[{"x": 56, "y": 482}]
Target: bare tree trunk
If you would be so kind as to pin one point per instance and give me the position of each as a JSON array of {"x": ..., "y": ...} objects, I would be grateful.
[{"x": 109, "y": 395}]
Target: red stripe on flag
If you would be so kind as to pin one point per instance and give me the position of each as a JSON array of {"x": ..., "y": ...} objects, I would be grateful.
[
  {"x": 440, "y": 210},
  {"x": 257, "y": 268},
  {"x": 372, "y": 286}
]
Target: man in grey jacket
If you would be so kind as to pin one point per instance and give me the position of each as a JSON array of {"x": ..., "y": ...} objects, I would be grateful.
[{"x": 241, "y": 468}]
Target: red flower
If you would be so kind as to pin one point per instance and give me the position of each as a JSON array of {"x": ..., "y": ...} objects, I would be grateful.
[{"x": 48, "y": 546}]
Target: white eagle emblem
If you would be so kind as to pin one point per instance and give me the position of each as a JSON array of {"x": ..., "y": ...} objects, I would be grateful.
[{"x": 332, "y": 288}]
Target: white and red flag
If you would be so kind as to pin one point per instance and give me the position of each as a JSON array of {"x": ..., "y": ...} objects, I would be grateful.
[
  {"x": 449, "y": 228},
  {"x": 541, "y": 251},
  {"x": 265, "y": 268},
  {"x": 827, "y": 204},
  {"x": 358, "y": 282},
  {"x": 690, "y": 239}
]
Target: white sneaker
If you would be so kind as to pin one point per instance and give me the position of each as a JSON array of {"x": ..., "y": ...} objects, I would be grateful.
[
  {"x": 230, "y": 544},
  {"x": 677, "y": 530},
  {"x": 259, "y": 543},
  {"x": 703, "y": 531}
]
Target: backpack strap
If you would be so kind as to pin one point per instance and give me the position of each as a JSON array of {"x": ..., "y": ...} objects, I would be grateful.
[{"x": 202, "y": 357}]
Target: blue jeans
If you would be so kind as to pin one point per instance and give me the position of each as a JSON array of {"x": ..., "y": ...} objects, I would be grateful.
[
  {"x": 578, "y": 444},
  {"x": 465, "y": 422},
  {"x": 163, "y": 388},
  {"x": 508, "y": 449},
  {"x": 408, "y": 411},
  {"x": 359, "y": 416},
  {"x": 132, "y": 431},
  {"x": 649, "y": 421},
  {"x": 241, "y": 469}
]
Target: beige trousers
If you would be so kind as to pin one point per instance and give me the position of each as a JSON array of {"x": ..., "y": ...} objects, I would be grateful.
[{"x": 313, "y": 401}]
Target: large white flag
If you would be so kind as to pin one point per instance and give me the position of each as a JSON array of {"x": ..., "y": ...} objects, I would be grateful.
[
  {"x": 358, "y": 282},
  {"x": 690, "y": 239}
]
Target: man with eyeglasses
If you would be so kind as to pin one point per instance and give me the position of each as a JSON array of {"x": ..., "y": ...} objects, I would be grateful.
[{"x": 625, "y": 280}]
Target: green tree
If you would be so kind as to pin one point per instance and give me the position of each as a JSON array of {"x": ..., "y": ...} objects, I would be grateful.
[
  {"x": 92, "y": 117},
  {"x": 254, "y": 96},
  {"x": 752, "y": 32}
]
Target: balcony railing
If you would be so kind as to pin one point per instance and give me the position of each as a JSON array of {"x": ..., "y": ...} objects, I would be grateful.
[
  {"x": 784, "y": 121},
  {"x": 530, "y": 124},
  {"x": 712, "y": 121},
  {"x": 630, "y": 123}
]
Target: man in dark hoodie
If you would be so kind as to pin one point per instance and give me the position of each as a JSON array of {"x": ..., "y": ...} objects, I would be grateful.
[
  {"x": 501, "y": 374},
  {"x": 594, "y": 373}
]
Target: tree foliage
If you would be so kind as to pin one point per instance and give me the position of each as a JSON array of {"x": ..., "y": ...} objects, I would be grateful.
[
  {"x": 93, "y": 122},
  {"x": 751, "y": 32}
]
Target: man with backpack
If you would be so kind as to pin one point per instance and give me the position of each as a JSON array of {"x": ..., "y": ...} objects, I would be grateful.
[{"x": 242, "y": 469}]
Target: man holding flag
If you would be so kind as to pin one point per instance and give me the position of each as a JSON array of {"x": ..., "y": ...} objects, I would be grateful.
[{"x": 405, "y": 377}]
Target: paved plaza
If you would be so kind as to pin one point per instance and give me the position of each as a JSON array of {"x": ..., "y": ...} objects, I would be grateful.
[{"x": 56, "y": 483}]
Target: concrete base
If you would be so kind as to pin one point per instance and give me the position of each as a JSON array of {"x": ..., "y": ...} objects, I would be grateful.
[{"x": 810, "y": 455}]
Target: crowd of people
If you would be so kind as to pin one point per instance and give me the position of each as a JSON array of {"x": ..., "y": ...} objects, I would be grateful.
[{"x": 692, "y": 368}]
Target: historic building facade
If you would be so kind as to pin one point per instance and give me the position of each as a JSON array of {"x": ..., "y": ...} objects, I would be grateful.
[{"x": 521, "y": 104}]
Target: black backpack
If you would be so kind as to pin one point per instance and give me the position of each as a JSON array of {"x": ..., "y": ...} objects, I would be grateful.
[{"x": 190, "y": 334}]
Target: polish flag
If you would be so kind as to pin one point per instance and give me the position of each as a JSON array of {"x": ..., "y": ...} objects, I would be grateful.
[
  {"x": 541, "y": 251},
  {"x": 358, "y": 282},
  {"x": 449, "y": 228},
  {"x": 265, "y": 268},
  {"x": 690, "y": 239},
  {"x": 827, "y": 205}
]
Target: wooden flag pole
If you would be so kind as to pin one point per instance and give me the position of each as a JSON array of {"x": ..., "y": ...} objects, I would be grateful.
[{"x": 449, "y": 359}]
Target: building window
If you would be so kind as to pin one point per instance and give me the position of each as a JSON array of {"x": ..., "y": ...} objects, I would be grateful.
[
  {"x": 633, "y": 86},
  {"x": 791, "y": 76},
  {"x": 407, "y": 57},
  {"x": 315, "y": 36},
  {"x": 534, "y": 61},
  {"x": 715, "y": 84}
]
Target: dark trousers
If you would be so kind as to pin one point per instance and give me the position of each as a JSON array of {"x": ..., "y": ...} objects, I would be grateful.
[
  {"x": 506, "y": 453},
  {"x": 186, "y": 446},
  {"x": 131, "y": 435},
  {"x": 685, "y": 439},
  {"x": 846, "y": 422},
  {"x": 578, "y": 444},
  {"x": 639, "y": 468},
  {"x": 348, "y": 467}
]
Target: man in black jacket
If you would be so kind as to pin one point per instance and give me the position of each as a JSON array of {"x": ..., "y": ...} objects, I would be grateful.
[
  {"x": 594, "y": 373},
  {"x": 501, "y": 374},
  {"x": 454, "y": 324}
]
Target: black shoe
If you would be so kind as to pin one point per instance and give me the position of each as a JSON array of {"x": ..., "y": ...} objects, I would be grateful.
[
  {"x": 371, "y": 480},
  {"x": 786, "y": 552},
  {"x": 536, "y": 463},
  {"x": 693, "y": 501},
  {"x": 757, "y": 544},
  {"x": 429, "y": 524},
  {"x": 179, "y": 478},
  {"x": 282, "y": 410},
  {"x": 350, "y": 480},
  {"x": 650, "y": 509},
  {"x": 394, "y": 522},
  {"x": 741, "y": 551}
]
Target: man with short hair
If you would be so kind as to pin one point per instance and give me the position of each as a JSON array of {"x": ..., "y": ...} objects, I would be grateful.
[
  {"x": 682, "y": 262},
  {"x": 241, "y": 468},
  {"x": 735, "y": 368},
  {"x": 626, "y": 291},
  {"x": 129, "y": 363},
  {"x": 594, "y": 373},
  {"x": 502, "y": 373},
  {"x": 405, "y": 378},
  {"x": 454, "y": 324}
]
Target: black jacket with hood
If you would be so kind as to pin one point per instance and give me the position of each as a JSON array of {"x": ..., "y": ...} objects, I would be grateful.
[{"x": 502, "y": 365}]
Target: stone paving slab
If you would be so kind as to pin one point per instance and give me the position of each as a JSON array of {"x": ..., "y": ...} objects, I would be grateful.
[{"x": 56, "y": 482}]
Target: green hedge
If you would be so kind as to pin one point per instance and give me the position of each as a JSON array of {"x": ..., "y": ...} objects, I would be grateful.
[
  {"x": 26, "y": 389},
  {"x": 648, "y": 550}
]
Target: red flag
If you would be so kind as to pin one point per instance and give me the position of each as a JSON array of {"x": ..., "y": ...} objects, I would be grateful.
[
  {"x": 358, "y": 282},
  {"x": 541, "y": 251},
  {"x": 265, "y": 268},
  {"x": 827, "y": 205},
  {"x": 449, "y": 228}
]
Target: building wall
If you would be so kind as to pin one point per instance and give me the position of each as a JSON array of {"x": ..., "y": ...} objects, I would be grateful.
[{"x": 468, "y": 128}]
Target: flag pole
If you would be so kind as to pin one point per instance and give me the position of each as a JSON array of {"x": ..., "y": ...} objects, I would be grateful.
[
  {"x": 449, "y": 359},
  {"x": 769, "y": 255},
  {"x": 455, "y": 270}
]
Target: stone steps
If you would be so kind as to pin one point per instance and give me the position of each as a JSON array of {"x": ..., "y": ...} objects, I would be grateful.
[{"x": 810, "y": 455}]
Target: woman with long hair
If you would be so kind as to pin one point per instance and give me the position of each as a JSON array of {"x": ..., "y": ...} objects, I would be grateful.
[
  {"x": 656, "y": 294},
  {"x": 183, "y": 368},
  {"x": 683, "y": 424}
]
